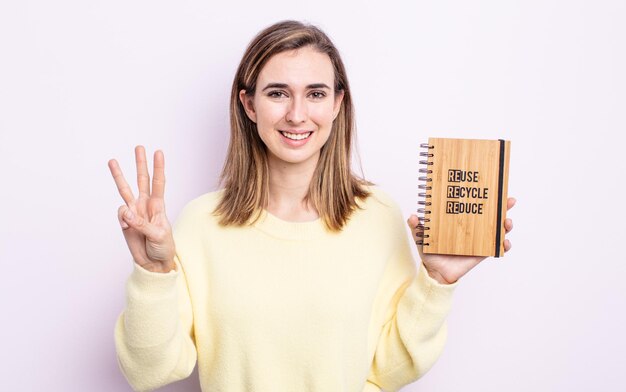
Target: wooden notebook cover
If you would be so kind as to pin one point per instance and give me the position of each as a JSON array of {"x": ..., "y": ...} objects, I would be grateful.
[{"x": 468, "y": 195}]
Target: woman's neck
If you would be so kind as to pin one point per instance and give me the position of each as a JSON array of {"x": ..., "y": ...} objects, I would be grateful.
[{"x": 288, "y": 186}]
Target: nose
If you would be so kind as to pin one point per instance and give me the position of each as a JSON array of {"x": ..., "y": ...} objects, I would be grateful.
[{"x": 297, "y": 111}]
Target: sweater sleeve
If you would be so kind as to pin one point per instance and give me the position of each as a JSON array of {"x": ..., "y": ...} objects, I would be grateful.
[
  {"x": 414, "y": 333},
  {"x": 154, "y": 335}
]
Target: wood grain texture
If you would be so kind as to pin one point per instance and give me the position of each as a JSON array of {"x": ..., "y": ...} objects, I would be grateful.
[{"x": 464, "y": 195}]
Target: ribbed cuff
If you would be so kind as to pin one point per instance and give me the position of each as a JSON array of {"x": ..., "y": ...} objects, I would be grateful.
[
  {"x": 151, "y": 307},
  {"x": 427, "y": 279},
  {"x": 145, "y": 280},
  {"x": 426, "y": 299}
]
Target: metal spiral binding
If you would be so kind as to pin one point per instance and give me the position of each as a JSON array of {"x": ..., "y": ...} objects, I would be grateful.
[{"x": 423, "y": 211}]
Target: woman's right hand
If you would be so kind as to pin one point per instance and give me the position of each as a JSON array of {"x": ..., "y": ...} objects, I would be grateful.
[{"x": 145, "y": 226}]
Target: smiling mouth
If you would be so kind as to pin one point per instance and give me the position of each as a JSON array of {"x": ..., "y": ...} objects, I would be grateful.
[{"x": 296, "y": 136}]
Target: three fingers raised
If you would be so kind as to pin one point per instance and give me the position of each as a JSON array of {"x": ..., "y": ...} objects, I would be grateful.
[{"x": 143, "y": 176}]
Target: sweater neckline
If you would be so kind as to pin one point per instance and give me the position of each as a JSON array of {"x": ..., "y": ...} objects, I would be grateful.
[{"x": 277, "y": 227}]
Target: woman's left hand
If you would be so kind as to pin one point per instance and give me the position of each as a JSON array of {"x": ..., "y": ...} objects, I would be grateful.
[{"x": 447, "y": 269}]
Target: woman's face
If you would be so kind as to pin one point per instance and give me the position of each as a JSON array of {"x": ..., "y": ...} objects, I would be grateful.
[{"x": 294, "y": 106}]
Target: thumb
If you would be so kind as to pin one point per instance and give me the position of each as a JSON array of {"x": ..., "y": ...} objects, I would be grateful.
[
  {"x": 139, "y": 223},
  {"x": 417, "y": 228},
  {"x": 413, "y": 221},
  {"x": 120, "y": 216},
  {"x": 417, "y": 232}
]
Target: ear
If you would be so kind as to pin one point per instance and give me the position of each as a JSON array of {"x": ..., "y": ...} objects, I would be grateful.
[
  {"x": 337, "y": 104},
  {"x": 248, "y": 105}
]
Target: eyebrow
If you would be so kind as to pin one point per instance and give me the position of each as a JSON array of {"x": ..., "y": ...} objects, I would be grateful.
[{"x": 284, "y": 85}]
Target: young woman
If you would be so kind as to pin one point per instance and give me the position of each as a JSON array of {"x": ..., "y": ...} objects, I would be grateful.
[{"x": 296, "y": 275}]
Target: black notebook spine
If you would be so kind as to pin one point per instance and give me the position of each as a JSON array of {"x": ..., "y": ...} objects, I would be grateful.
[{"x": 500, "y": 195}]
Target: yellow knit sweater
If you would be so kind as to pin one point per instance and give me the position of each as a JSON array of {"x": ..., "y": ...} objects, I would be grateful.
[{"x": 285, "y": 306}]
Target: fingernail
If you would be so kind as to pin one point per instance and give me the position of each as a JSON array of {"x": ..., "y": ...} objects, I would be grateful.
[
  {"x": 129, "y": 215},
  {"x": 124, "y": 225}
]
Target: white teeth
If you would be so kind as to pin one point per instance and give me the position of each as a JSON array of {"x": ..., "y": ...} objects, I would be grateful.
[{"x": 296, "y": 136}]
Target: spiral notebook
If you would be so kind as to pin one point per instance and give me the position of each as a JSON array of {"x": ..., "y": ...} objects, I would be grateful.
[{"x": 463, "y": 196}]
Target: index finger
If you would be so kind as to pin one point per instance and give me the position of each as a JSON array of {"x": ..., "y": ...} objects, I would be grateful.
[
  {"x": 158, "y": 175},
  {"x": 122, "y": 185}
]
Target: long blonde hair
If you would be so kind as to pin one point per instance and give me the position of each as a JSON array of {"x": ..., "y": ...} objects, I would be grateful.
[{"x": 334, "y": 189}]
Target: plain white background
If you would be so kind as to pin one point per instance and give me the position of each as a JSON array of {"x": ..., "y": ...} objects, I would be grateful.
[{"x": 84, "y": 82}]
